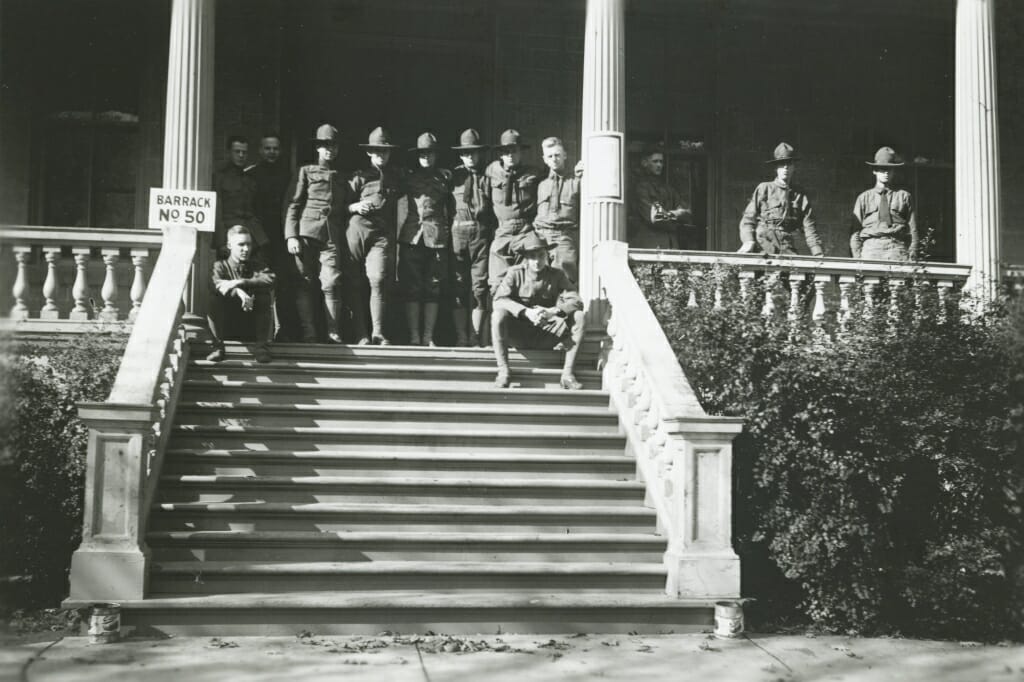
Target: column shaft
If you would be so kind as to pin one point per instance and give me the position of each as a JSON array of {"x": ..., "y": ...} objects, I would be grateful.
[{"x": 977, "y": 146}]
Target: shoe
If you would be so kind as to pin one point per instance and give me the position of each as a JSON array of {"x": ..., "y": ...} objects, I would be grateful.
[
  {"x": 364, "y": 341},
  {"x": 569, "y": 383},
  {"x": 334, "y": 337},
  {"x": 381, "y": 341},
  {"x": 216, "y": 355},
  {"x": 262, "y": 355},
  {"x": 430, "y": 344},
  {"x": 415, "y": 341},
  {"x": 560, "y": 347},
  {"x": 502, "y": 380}
]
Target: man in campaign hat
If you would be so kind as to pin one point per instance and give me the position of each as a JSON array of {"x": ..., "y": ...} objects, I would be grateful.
[
  {"x": 777, "y": 209},
  {"x": 472, "y": 230},
  {"x": 513, "y": 198},
  {"x": 376, "y": 191},
  {"x": 423, "y": 241},
  {"x": 314, "y": 231},
  {"x": 886, "y": 226},
  {"x": 536, "y": 306},
  {"x": 658, "y": 215}
]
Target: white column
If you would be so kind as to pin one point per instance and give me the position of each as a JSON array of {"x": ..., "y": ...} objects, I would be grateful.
[
  {"x": 977, "y": 146},
  {"x": 603, "y": 209},
  {"x": 188, "y": 126}
]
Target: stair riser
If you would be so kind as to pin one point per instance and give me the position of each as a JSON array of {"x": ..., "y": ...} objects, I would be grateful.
[
  {"x": 497, "y": 498},
  {"x": 182, "y": 585},
  {"x": 381, "y": 552},
  {"x": 170, "y": 521},
  {"x": 583, "y": 470},
  {"x": 553, "y": 424},
  {"x": 362, "y": 396},
  {"x": 392, "y": 444},
  {"x": 398, "y": 352},
  {"x": 392, "y": 377}
]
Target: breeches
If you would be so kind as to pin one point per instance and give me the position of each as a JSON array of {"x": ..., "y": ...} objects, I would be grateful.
[
  {"x": 470, "y": 246},
  {"x": 521, "y": 333},
  {"x": 421, "y": 272},
  {"x": 565, "y": 255}
]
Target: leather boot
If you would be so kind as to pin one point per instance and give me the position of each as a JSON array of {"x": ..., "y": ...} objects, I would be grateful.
[
  {"x": 412, "y": 319},
  {"x": 429, "y": 320},
  {"x": 461, "y": 321}
]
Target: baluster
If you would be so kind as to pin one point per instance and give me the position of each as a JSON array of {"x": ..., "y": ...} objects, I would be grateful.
[
  {"x": 746, "y": 277},
  {"x": 870, "y": 295},
  {"x": 770, "y": 286},
  {"x": 796, "y": 281},
  {"x": 50, "y": 311},
  {"x": 820, "y": 309},
  {"x": 897, "y": 287},
  {"x": 695, "y": 278},
  {"x": 846, "y": 284},
  {"x": 80, "y": 290},
  {"x": 20, "y": 309},
  {"x": 922, "y": 295},
  {"x": 109, "y": 290},
  {"x": 945, "y": 289},
  {"x": 139, "y": 259}
]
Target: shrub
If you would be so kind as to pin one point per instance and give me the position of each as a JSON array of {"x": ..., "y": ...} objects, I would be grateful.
[
  {"x": 43, "y": 446},
  {"x": 879, "y": 476}
]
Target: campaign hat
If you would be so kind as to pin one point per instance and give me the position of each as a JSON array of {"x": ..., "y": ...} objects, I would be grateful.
[
  {"x": 530, "y": 241},
  {"x": 379, "y": 139},
  {"x": 784, "y": 153},
  {"x": 326, "y": 134},
  {"x": 426, "y": 143},
  {"x": 511, "y": 138},
  {"x": 886, "y": 157},
  {"x": 469, "y": 141}
]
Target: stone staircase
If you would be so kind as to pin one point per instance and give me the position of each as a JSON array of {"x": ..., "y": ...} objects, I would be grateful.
[{"x": 362, "y": 489}]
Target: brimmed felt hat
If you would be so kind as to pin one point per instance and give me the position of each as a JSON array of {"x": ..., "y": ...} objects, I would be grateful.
[
  {"x": 426, "y": 143},
  {"x": 326, "y": 134},
  {"x": 379, "y": 139},
  {"x": 886, "y": 157},
  {"x": 784, "y": 153},
  {"x": 469, "y": 141},
  {"x": 511, "y": 138},
  {"x": 530, "y": 241}
]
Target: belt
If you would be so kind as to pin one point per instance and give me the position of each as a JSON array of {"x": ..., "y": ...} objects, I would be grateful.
[
  {"x": 513, "y": 222},
  {"x": 466, "y": 223}
]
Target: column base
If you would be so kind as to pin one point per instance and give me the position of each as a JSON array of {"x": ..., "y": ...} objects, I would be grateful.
[
  {"x": 112, "y": 575},
  {"x": 694, "y": 576}
]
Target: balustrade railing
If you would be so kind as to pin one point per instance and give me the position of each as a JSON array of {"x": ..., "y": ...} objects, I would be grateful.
[{"x": 76, "y": 274}]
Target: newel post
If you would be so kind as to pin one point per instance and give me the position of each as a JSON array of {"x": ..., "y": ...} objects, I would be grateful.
[
  {"x": 112, "y": 562},
  {"x": 700, "y": 559}
]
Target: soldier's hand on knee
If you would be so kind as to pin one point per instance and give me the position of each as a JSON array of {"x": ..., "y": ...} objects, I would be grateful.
[
  {"x": 294, "y": 246},
  {"x": 535, "y": 315}
]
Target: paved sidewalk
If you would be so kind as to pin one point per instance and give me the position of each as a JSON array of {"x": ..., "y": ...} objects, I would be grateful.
[{"x": 511, "y": 658}]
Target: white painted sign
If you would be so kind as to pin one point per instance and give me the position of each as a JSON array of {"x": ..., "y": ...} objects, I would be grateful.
[
  {"x": 602, "y": 173},
  {"x": 182, "y": 207}
]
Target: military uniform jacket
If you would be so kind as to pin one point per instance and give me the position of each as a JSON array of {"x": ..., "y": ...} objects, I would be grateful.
[
  {"x": 429, "y": 212},
  {"x": 383, "y": 191},
  {"x": 648, "y": 190},
  {"x": 903, "y": 218},
  {"x": 319, "y": 206},
  {"x": 522, "y": 289},
  {"x": 271, "y": 182},
  {"x": 471, "y": 192},
  {"x": 782, "y": 207},
  {"x": 255, "y": 275},
  {"x": 513, "y": 192},
  {"x": 558, "y": 202}
]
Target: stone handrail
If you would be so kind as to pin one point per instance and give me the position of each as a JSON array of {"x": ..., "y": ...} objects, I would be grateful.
[
  {"x": 44, "y": 255},
  {"x": 837, "y": 283},
  {"x": 683, "y": 454},
  {"x": 127, "y": 434}
]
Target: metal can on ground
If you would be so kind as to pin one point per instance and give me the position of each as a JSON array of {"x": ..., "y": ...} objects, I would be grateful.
[
  {"x": 728, "y": 619},
  {"x": 104, "y": 623}
]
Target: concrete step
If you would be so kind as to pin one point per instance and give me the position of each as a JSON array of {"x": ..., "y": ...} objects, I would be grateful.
[
  {"x": 413, "y": 490},
  {"x": 595, "y": 420},
  {"x": 313, "y": 545},
  {"x": 394, "y": 441},
  {"x": 393, "y": 374},
  {"x": 438, "y": 465},
  {"x": 357, "y": 392},
  {"x": 217, "y": 577},
  {"x": 345, "y": 516},
  {"x": 416, "y": 611}
]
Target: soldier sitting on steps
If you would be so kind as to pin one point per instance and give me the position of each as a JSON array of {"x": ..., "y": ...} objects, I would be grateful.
[{"x": 536, "y": 306}]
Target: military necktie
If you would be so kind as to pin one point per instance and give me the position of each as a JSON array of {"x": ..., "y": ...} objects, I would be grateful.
[
  {"x": 509, "y": 184},
  {"x": 469, "y": 192},
  {"x": 884, "y": 215},
  {"x": 556, "y": 192}
]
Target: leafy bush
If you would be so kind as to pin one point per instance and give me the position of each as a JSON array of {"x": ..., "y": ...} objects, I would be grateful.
[
  {"x": 42, "y": 455},
  {"x": 879, "y": 477}
]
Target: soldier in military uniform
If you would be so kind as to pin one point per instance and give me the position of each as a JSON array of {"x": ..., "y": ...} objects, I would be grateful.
[
  {"x": 370, "y": 237},
  {"x": 240, "y": 303},
  {"x": 657, "y": 212},
  {"x": 423, "y": 241},
  {"x": 536, "y": 306},
  {"x": 236, "y": 197},
  {"x": 315, "y": 232},
  {"x": 472, "y": 230},
  {"x": 777, "y": 209},
  {"x": 886, "y": 220},
  {"x": 513, "y": 200},
  {"x": 272, "y": 176},
  {"x": 558, "y": 208}
]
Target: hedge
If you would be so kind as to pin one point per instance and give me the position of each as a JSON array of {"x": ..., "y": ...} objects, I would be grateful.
[{"x": 879, "y": 477}]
